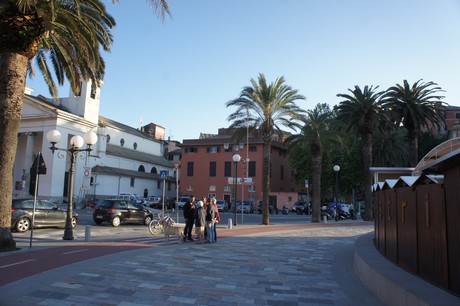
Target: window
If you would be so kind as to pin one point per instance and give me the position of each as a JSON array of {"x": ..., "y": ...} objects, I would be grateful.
[
  {"x": 282, "y": 172},
  {"x": 212, "y": 188},
  {"x": 93, "y": 92},
  {"x": 457, "y": 115},
  {"x": 252, "y": 169},
  {"x": 132, "y": 182},
  {"x": 212, "y": 168},
  {"x": 141, "y": 168},
  {"x": 228, "y": 169},
  {"x": 191, "y": 150},
  {"x": 108, "y": 138},
  {"x": 122, "y": 142},
  {"x": 154, "y": 170},
  {"x": 213, "y": 149},
  {"x": 189, "y": 168},
  {"x": 135, "y": 145},
  {"x": 189, "y": 188},
  {"x": 226, "y": 188},
  {"x": 252, "y": 148}
]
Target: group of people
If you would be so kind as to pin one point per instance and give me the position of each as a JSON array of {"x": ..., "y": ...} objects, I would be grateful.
[{"x": 205, "y": 216}]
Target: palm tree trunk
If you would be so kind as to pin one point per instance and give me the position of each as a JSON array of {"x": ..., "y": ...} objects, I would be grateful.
[
  {"x": 13, "y": 69},
  {"x": 316, "y": 169},
  {"x": 266, "y": 182},
  {"x": 367, "y": 162},
  {"x": 412, "y": 135}
]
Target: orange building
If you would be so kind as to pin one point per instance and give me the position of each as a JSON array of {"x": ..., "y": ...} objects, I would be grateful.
[{"x": 208, "y": 169}]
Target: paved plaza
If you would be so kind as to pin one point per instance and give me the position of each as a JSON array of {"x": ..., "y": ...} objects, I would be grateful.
[{"x": 256, "y": 266}]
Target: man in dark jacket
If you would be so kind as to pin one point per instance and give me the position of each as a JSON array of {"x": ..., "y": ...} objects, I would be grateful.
[{"x": 189, "y": 215}]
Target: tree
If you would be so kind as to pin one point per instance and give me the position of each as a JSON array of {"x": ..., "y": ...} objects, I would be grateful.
[
  {"x": 265, "y": 108},
  {"x": 416, "y": 106},
  {"x": 69, "y": 33},
  {"x": 362, "y": 113},
  {"x": 390, "y": 148},
  {"x": 315, "y": 133}
]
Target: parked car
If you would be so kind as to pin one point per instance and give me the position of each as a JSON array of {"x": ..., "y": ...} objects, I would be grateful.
[
  {"x": 154, "y": 201},
  {"x": 134, "y": 198},
  {"x": 246, "y": 207},
  {"x": 182, "y": 201},
  {"x": 271, "y": 209},
  {"x": 118, "y": 211},
  {"x": 221, "y": 205},
  {"x": 47, "y": 214},
  {"x": 88, "y": 204}
]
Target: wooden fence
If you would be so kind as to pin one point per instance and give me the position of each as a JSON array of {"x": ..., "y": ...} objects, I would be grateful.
[{"x": 418, "y": 228}]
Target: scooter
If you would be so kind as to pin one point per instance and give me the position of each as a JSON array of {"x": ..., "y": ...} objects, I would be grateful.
[{"x": 285, "y": 210}]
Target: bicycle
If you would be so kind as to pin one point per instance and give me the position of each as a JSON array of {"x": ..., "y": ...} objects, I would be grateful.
[{"x": 157, "y": 227}]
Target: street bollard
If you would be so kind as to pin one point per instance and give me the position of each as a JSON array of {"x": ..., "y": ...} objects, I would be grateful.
[
  {"x": 87, "y": 232},
  {"x": 324, "y": 219},
  {"x": 230, "y": 223}
]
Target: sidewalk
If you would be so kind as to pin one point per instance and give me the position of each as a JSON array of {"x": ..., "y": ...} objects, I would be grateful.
[{"x": 309, "y": 264}]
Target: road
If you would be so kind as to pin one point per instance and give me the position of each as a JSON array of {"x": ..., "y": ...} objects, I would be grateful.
[{"x": 87, "y": 229}]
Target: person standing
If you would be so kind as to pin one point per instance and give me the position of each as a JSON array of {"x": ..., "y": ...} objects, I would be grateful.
[
  {"x": 200, "y": 220},
  {"x": 189, "y": 215},
  {"x": 214, "y": 202},
  {"x": 211, "y": 218}
]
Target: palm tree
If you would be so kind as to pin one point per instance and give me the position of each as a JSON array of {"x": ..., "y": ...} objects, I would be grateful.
[
  {"x": 390, "y": 148},
  {"x": 362, "y": 113},
  {"x": 416, "y": 106},
  {"x": 265, "y": 108},
  {"x": 315, "y": 133},
  {"x": 69, "y": 34}
]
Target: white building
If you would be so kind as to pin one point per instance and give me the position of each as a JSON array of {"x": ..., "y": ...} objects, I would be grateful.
[{"x": 124, "y": 159}]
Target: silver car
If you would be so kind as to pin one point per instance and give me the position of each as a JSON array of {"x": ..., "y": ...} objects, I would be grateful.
[{"x": 221, "y": 205}]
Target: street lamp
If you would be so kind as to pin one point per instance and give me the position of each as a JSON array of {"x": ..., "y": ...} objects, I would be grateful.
[
  {"x": 177, "y": 166},
  {"x": 236, "y": 159},
  {"x": 336, "y": 169},
  {"x": 90, "y": 138}
]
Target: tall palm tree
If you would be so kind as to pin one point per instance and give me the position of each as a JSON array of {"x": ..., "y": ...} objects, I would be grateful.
[
  {"x": 265, "y": 108},
  {"x": 67, "y": 33},
  {"x": 362, "y": 113},
  {"x": 416, "y": 106},
  {"x": 315, "y": 133}
]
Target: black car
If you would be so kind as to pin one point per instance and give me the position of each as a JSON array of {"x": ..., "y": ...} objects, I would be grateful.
[
  {"x": 117, "y": 211},
  {"x": 47, "y": 214}
]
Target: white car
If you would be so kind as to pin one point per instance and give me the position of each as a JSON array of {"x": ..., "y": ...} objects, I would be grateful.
[
  {"x": 134, "y": 198},
  {"x": 221, "y": 205},
  {"x": 180, "y": 204}
]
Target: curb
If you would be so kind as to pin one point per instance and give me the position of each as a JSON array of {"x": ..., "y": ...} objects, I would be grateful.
[{"x": 391, "y": 284}]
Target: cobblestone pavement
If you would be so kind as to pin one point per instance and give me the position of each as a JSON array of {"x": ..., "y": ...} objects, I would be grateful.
[{"x": 308, "y": 266}]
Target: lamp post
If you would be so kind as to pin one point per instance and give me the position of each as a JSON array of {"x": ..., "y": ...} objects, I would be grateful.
[
  {"x": 177, "y": 166},
  {"x": 336, "y": 169},
  {"x": 236, "y": 159},
  {"x": 90, "y": 138}
]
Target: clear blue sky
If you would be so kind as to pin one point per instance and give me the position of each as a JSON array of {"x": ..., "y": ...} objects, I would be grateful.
[{"x": 180, "y": 74}]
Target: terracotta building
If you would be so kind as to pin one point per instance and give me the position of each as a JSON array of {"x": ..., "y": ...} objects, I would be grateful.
[{"x": 208, "y": 169}]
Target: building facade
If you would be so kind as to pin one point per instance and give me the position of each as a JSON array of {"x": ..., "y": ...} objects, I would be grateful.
[
  {"x": 208, "y": 170},
  {"x": 123, "y": 160}
]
